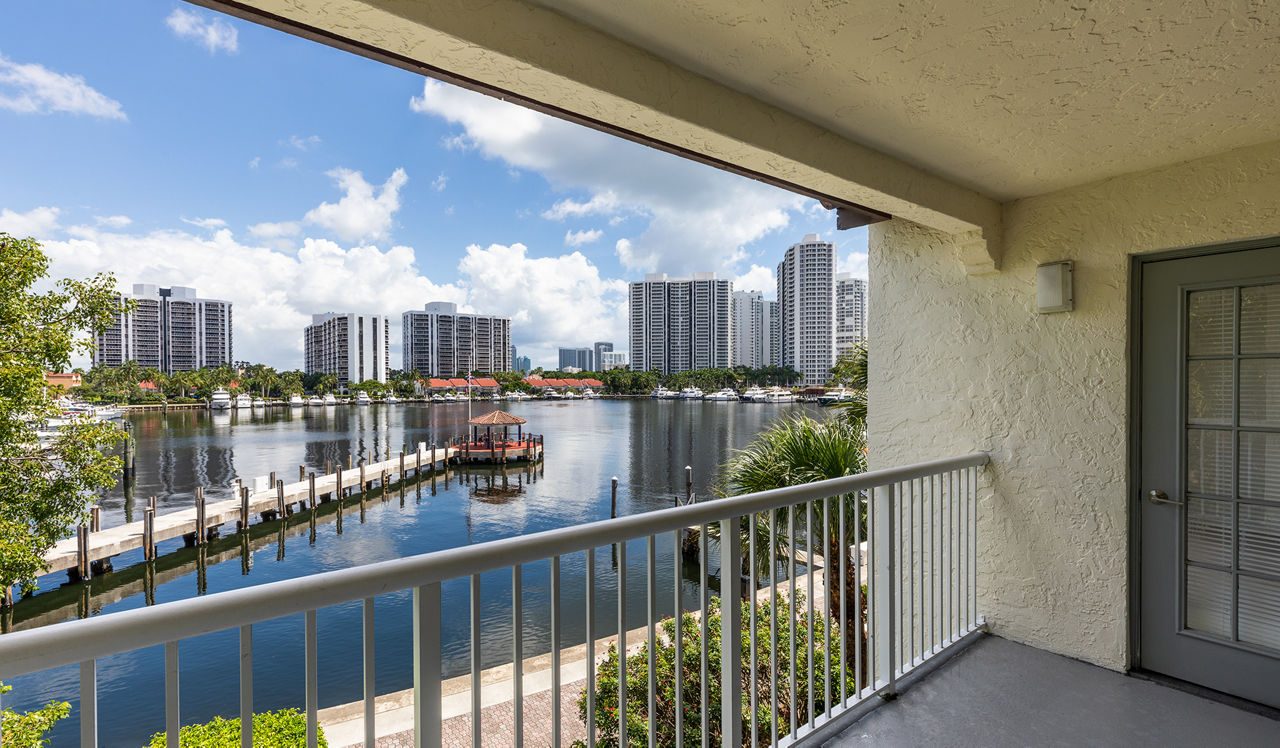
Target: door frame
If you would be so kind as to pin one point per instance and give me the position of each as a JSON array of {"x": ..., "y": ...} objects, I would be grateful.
[{"x": 1137, "y": 263}]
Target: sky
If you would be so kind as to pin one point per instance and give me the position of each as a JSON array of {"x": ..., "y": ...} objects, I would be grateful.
[{"x": 169, "y": 144}]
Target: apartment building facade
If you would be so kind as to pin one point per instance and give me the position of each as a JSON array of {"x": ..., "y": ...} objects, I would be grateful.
[
  {"x": 438, "y": 341},
  {"x": 170, "y": 329},
  {"x": 806, "y": 308},
  {"x": 755, "y": 330},
  {"x": 353, "y": 347},
  {"x": 678, "y": 324},
  {"x": 851, "y": 312},
  {"x": 582, "y": 359}
]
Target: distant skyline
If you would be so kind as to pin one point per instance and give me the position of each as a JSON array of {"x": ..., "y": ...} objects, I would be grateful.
[{"x": 172, "y": 145}]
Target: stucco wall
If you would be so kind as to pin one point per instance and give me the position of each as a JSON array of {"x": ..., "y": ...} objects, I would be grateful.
[{"x": 960, "y": 363}]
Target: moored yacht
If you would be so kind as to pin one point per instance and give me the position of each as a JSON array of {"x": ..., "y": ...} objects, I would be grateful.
[
  {"x": 836, "y": 395},
  {"x": 662, "y": 393},
  {"x": 779, "y": 395},
  {"x": 391, "y": 399},
  {"x": 726, "y": 395},
  {"x": 590, "y": 394},
  {"x": 259, "y": 402},
  {"x": 753, "y": 395},
  {"x": 220, "y": 400},
  {"x": 315, "y": 400},
  {"x": 691, "y": 393},
  {"x": 362, "y": 398},
  {"x": 329, "y": 400},
  {"x": 296, "y": 401}
]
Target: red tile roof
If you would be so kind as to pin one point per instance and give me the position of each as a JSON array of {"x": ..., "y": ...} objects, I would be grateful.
[
  {"x": 572, "y": 383},
  {"x": 147, "y": 384},
  {"x": 556, "y": 383},
  {"x": 485, "y": 382},
  {"x": 440, "y": 383},
  {"x": 593, "y": 382},
  {"x": 536, "y": 381},
  {"x": 457, "y": 382}
]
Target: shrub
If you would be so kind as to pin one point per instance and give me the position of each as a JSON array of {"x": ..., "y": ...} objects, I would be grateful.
[
  {"x": 26, "y": 730},
  {"x": 287, "y": 727},
  {"x": 826, "y": 670}
]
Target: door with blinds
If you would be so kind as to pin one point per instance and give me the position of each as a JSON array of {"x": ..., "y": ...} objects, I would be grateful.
[{"x": 1209, "y": 430}]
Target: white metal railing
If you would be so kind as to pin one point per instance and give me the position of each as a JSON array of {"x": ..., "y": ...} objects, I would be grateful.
[{"x": 917, "y": 564}]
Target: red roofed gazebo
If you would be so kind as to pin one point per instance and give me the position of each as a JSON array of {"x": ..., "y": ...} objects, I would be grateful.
[{"x": 489, "y": 447}]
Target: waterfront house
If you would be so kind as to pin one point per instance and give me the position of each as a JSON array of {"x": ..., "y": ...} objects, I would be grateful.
[{"x": 1073, "y": 222}]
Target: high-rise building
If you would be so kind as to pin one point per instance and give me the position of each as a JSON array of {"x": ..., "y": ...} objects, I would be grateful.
[
  {"x": 806, "y": 308},
  {"x": 170, "y": 329},
  {"x": 755, "y": 330},
  {"x": 598, "y": 349},
  {"x": 522, "y": 364},
  {"x": 774, "y": 325},
  {"x": 613, "y": 360},
  {"x": 353, "y": 347},
  {"x": 678, "y": 324},
  {"x": 851, "y": 312},
  {"x": 440, "y": 342},
  {"x": 576, "y": 358}
]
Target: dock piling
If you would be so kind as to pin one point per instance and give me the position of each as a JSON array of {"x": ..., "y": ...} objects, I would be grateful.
[
  {"x": 613, "y": 499},
  {"x": 83, "y": 567},
  {"x": 279, "y": 498},
  {"x": 200, "y": 516},
  {"x": 688, "y": 484},
  {"x": 302, "y": 473},
  {"x": 311, "y": 489},
  {"x": 149, "y": 534},
  {"x": 363, "y": 486},
  {"x": 338, "y": 491},
  {"x": 244, "y": 508},
  {"x": 95, "y": 518}
]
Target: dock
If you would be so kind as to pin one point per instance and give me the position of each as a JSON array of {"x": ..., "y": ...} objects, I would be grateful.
[{"x": 80, "y": 554}]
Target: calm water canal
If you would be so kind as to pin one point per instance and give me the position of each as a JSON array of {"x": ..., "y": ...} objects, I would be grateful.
[{"x": 645, "y": 443}]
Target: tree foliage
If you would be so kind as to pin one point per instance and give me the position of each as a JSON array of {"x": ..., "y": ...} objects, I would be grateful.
[
  {"x": 287, "y": 727},
  {"x": 27, "y": 729},
  {"x": 45, "y": 488}
]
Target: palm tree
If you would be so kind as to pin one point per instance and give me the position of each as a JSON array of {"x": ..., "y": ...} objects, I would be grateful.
[{"x": 799, "y": 450}]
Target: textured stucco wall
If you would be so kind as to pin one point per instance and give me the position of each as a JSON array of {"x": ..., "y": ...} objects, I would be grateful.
[{"x": 960, "y": 363}]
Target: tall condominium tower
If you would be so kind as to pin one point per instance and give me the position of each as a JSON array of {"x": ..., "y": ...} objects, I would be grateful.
[
  {"x": 851, "y": 312},
  {"x": 598, "y": 349},
  {"x": 755, "y": 330},
  {"x": 354, "y": 347},
  {"x": 440, "y": 342},
  {"x": 577, "y": 358},
  {"x": 678, "y": 324},
  {"x": 806, "y": 308},
  {"x": 170, "y": 329}
]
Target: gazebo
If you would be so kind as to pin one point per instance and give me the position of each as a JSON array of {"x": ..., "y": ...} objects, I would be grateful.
[
  {"x": 499, "y": 448},
  {"x": 496, "y": 418}
]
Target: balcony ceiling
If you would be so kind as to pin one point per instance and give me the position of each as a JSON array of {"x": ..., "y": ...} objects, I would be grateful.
[{"x": 1010, "y": 99}]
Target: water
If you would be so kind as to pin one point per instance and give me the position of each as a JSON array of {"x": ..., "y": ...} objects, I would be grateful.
[{"x": 645, "y": 443}]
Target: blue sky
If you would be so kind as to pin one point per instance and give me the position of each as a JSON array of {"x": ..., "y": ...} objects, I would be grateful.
[{"x": 169, "y": 144}]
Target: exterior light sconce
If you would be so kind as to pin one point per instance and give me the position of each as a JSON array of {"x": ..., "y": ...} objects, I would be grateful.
[{"x": 1053, "y": 287}]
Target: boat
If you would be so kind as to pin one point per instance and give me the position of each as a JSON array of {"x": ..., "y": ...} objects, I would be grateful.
[
  {"x": 315, "y": 400},
  {"x": 554, "y": 395},
  {"x": 590, "y": 395},
  {"x": 726, "y": 395},
  {"x": 438, "y": 398},
  {"x": 753, "y": 395},
  {"x": 662, "y": 393},
  {"x": 391, "y": 399},
  {"x": 449, "y": 397},
  {"x": 362, "y": 398},
  {"x": 571, "y": 395},
  {"x": 296, "y": 401},
  {"x": 835, "y": 395},
  {"x": 259, "y": 402},
  {"x": 220, "y": 400},
  {"x": 779, "y": 395},
  {"x": 329, "y": 400},
  {"x": 691, "y": 393}
]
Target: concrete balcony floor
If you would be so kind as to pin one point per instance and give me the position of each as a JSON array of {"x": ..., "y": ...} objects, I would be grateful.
[{"x": 998, "y": 693}]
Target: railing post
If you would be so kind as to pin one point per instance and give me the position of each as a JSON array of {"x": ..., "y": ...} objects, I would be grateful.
[
  {"x": 730, "y": 633},
  {"x": 884, "y": 624},
  {"x": 89, "y": 704}
]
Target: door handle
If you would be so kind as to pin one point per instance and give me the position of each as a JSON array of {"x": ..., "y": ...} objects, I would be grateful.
[{"x": 1156, "y": 496}]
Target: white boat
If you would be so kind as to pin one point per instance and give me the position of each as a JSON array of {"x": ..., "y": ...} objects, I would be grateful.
[
  {"x": 449, "y": 397},
  {"x": 391, "y": 399},
  {"x": 779, "y": 395},
  {"x": 836, "y": 395},
  {"x": 362, "y": 398},
  {"x": 329, "y": 400},
  {"x": 315, "y": 400},
  {"x": 753, "y": 395},
  {"x": 691, "y": 393},
  {"x": 726, "y": 395},
  {"x": 571, "y": 395},
  {"x": 220, "y": 400},
  {"x": 438, "y": 398},
  {"x": 590, "y": 395},
  {"x": 662, "y": 393},
  {"x": 296, "y": 401},
  {"x": 259, "y": 402}
]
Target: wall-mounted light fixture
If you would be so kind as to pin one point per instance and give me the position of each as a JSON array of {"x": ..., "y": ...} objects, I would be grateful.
[{"x": 1053, "y": 287}]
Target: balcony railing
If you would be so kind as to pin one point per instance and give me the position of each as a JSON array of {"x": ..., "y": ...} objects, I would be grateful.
[{"x": 906, "y": 543}]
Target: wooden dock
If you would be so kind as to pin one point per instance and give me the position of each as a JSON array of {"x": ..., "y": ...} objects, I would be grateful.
[{"x": 79, "y": 554}]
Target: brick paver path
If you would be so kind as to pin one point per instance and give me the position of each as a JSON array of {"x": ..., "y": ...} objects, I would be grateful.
[{"x": 497, "y": 723}]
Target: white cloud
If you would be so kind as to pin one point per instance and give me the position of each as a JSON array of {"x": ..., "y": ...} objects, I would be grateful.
[
  {"x": 699, "y": 218},
  {"x": 29, "y": 88},
  {"x": 578, "y": 238},
  {"x": 303, "y": 144},
  {"x": 274, "y": 292},
  {"x": 115, "y": 222},
  {"x": 362, "y": 213},
  {"x": 253, "y": 163},
  {"x": 439, "y": 183},
  {"x": 758, "y": 278},
  {"x": 268, "y": 230},
  {"x": 552, "y": 301},
  {"x": 209, "y": 31},
  {"x": 37, "y": 222},
  {"x": 853, "y": 258},
  {"x": 288, "y": 162},
  {"x": 206, "y": 223}
]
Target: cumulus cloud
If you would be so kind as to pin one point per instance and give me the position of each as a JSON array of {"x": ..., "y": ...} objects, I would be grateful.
[
  {"x": 698, "y": 218},
  {"x": 268, "y": 230},
  {"x": 209, "y": 31},
  {"x": 37, "y": 222},
  {"x": 758, "y": 278},
  {"x": 253, "y": 163},
  {"x": 29, "y": 88},
  {"x": 851, "y": 253},
  {"x": 552, "y": 301},
  {"x": 115, "y": 222},
  {"x": 274, "y": 292},
  {"x": 578, "y": 238},
  {"x": 363, "y": 213},
  {"x": 303, "y": 144},
  {"x": 439, "y": 183},
  {"x": 206, "y": 223}
]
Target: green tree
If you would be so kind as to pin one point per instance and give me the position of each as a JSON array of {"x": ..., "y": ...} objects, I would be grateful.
[
  {"x": 27, "y": 729},
  {"x": 798, "y": 450},
  {"x": 45, "y": 488},
  {"x": 850, "y": 370}
]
